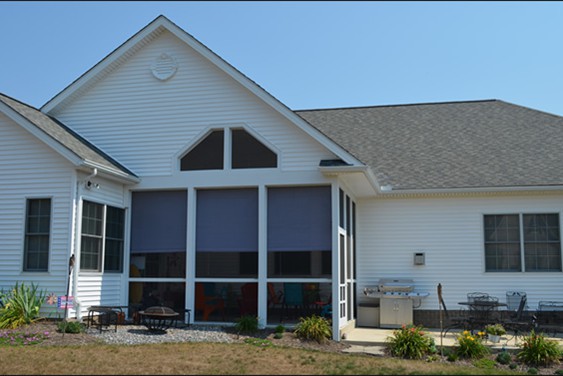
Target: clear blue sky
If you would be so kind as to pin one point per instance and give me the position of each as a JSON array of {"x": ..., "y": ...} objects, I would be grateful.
[{"x": 310, "y": 54}]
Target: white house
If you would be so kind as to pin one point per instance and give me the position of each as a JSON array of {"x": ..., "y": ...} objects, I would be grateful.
[{"x": 169, "y": 175}]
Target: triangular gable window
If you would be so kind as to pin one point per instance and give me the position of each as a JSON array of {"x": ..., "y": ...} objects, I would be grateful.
[
  {"x": 246, "y": 152},
  {"x": 207, "y": 155}
]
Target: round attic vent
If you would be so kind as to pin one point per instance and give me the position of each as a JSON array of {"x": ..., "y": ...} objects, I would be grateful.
[{"x": 164, "y": 67}]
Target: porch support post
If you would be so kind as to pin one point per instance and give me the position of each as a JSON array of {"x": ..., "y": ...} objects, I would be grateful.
[
  {"x": 262, "y": 257},
  {"x": 190, "y": 253},
  {"x": 335, "y": 263}
]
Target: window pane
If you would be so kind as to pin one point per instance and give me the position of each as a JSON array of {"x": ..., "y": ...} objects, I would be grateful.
[
  {"x": 303, "y": 300},
  {"x": 299, "y": 219},
  {"x": 542, "y": 247},
  {"x": 91, "y": 248},
  {"x": 92, "y": 216},
  {"x": 207, "y": 155},
  {"x": 143, "y": 295},
  {"x": 502, "y": 243},
  {"x": 158, "y": 265},
  {"x": 113, "y": 258},
  {"x": 248, "y": 152},
  {"x": 159, "y": 221},
  {"x": 36, "y": 242}
]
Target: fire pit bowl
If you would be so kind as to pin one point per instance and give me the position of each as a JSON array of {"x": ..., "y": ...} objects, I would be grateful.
[{"x": 158, "y": 318}]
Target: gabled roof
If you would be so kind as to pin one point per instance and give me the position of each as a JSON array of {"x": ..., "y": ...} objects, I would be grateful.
[
  {"x": 453, "y": 145},
  {"x": 68, "y": 143},
  {"x": 145, "y": 36}
]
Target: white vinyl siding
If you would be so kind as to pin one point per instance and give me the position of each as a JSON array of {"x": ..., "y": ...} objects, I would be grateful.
[
  {"x": 143, "y": 122},
  {"x": 449, "y": 230},
  {"x": 29, "y": 169}
]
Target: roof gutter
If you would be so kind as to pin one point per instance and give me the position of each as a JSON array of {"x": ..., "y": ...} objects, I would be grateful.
[
  {"x": 367, "y": 171},
  {"x": 389, "y": 191},
  {"x": 111, "y": 173}
]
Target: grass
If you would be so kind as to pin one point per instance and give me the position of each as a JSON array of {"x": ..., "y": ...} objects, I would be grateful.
[{"x": 213, "y": 359}]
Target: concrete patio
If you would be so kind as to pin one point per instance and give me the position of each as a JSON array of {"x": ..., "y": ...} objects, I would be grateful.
[{"x": 372, "y": 340}]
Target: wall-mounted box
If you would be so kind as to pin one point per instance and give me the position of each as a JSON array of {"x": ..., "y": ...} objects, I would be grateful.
[{"x": 419, "y": 258}]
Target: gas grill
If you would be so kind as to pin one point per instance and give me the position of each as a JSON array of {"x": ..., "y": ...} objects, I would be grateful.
[{"x": 397, "y": 298}]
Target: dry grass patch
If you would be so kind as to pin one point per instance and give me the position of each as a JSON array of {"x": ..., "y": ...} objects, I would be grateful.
[{"x": 207, "y": 358}]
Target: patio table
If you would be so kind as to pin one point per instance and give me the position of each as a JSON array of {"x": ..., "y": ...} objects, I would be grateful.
[
  {"x": 107, "y": 315},
  {"x": 482, "y": 312}
]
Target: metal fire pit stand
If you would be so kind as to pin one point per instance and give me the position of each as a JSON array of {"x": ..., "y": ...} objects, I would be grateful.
[{"x": 158, "y": 321}]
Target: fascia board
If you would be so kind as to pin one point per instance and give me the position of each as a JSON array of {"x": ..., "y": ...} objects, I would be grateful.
[
  {"x": 41, "y": 135},
  {"x": 204, "y": 51},
  {"x": 476, "y": 190},
  {"x": 342, "y": 170}
]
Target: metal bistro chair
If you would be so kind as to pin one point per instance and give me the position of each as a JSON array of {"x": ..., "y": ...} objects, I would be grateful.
[
  {"x": 513, "y": 299},
  {"x": 518, "y": 324},
  {"x": 452, "y": 322}
]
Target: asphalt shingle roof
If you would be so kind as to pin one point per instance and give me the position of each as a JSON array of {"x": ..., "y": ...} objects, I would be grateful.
[
  {"x": 470, "y": 144},
  {"x": 66, "y": 137}
]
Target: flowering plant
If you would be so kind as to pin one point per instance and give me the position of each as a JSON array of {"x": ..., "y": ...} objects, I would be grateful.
[
  {"x": 410, "y": 342},
  {"x": 495, "y": 329},
  {"x": 471, "y": 346}
]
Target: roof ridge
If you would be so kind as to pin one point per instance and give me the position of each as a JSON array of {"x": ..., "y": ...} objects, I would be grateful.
[{"x": 399, "y": 105}]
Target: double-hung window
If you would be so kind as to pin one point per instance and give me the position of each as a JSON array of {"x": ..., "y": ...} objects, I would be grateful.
[
  {"x": 522, "y": 242},
  {"x": 37, "y": 235},
  {"x": 102, "y": 237}
]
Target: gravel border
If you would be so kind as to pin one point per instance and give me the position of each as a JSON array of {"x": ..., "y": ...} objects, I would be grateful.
[{"x": 138, "y": 335}]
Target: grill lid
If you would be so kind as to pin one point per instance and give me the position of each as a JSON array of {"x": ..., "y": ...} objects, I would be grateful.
[{"x": 395, "y": 285}]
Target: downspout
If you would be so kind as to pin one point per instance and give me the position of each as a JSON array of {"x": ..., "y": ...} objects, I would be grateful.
[{"x": 87, "y": 182}]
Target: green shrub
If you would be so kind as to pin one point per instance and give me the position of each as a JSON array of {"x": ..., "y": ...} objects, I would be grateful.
[
  {"x": 504, "y": 357},
  {"x": 258, "y": 342},
  {"x": 279, "y": 329},
  {"x": 484, "y": 363},
  {"x": 513, "y": 365},
  {"x": 532, "y": 371},
  {"x": 278, "y": 335},
  {"x": 21, "y": 305},
  {"x": 314, "y": 328},
  {"x": 71, "y": 327},
  {"x": 410, "y": 342},
  {"x": 247, "y": 324},
  {"x": 452, "y": 357},
  {"x": 536, "y": 350},
  {"x": 471, "y": 346}
]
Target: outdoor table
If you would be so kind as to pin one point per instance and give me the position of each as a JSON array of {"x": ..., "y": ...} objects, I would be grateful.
[
  {"x": 481, "y": 312},
  {"x": 106, "y": 315},
  {"x": 158, "y": 318}
]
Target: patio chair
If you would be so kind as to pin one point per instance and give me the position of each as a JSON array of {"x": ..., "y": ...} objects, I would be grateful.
[
  {"x": 518, "y": 323},
  {"x": 452, "y": 322},
  {"x": 248, "y": 301},
  {"x": 513, "y": 299},
  {"x": 206, "y": 301},
  {"x": 274, "y": 298},
  {"x": 292, "y": 298}
]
